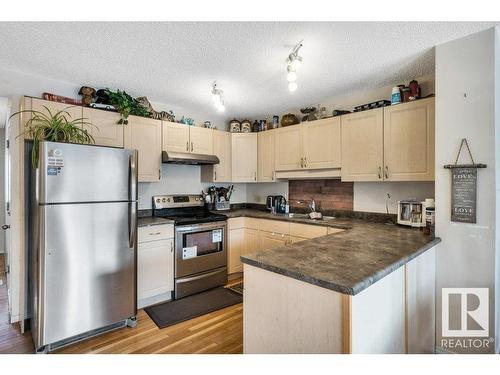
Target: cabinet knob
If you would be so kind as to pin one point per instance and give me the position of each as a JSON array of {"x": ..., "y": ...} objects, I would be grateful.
[
  {"x": 192, "y": 147},
  {"x": 5, "y": 226},
  {"x": 302, "y": 162},
  {"x": 386, "y": 172},
  {"x": 305, "y": 161},
  {"x": 379, "y": 171}
]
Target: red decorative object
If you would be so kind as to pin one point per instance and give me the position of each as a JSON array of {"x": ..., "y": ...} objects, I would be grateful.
[{"x": 60, "y": 99}]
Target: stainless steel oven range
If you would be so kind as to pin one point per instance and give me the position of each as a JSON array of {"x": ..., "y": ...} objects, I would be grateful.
[{"x": 200, "y": 243}]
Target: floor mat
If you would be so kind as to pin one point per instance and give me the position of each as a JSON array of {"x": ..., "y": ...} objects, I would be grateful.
[
  {"x": 238, "y": 287},
  {"x": 173, "y": 312}
]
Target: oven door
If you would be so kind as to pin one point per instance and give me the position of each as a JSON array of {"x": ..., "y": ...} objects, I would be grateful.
[{"x": 199, "y": 248}]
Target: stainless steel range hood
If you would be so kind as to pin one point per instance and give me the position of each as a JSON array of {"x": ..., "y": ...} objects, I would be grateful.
[{"x": 187, "y": 158}]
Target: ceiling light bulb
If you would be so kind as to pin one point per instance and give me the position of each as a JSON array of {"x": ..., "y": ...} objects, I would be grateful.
[
  {"x": 292, "y": 86},
  {"x": 291, "y": 76},
  {"x": 295, "y": 63}
]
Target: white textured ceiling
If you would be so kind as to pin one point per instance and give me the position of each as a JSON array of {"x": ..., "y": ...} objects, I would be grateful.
[{"x": 177, "y": 62}]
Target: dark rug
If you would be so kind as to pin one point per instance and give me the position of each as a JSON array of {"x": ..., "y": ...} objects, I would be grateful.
[
  {"x": 238, "y": 288},
  {"x": 173, "y": 312}
]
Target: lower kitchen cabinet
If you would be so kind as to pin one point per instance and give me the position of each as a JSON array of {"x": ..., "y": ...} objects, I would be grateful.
[
  {"x": 251, "y": 239},
  {"x": 236, "y": 241},
  {"x": 272, "y": 240},
  {"x": 155, "y": 264}
]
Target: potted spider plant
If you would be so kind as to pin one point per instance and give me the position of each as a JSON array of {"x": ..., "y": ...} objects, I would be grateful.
[{"x": 54, "y": 127}]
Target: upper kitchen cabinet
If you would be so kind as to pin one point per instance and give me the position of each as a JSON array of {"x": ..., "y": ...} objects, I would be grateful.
[
  {"x": 265, "y": 156},
  {"x": 185, "y": 138},
  {"x": 288, "y": 148},
  {"x": 222, "y": 149},
  {"x": 409, "y": 141},
  {"x": 244, "y": 157},
  {"x": 75, "y": 111},
  {"x": 104, "y": 127},
  {"x": 144, "y": 134},
  {"x": 201, "y": 140},
  {"x": 362, "y": 146},
  {"x": 321, "y": 143},
  {"x": 175, "y": 137},
  {"x": 309, "y": 146}
]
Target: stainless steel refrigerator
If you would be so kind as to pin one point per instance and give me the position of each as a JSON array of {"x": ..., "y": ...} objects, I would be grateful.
[{"x": 83, "y": 243}]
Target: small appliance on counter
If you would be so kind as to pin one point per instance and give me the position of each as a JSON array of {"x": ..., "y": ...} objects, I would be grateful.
[
  {"x": 276, "y": 204},
  {"x": 415, "y": 214}
]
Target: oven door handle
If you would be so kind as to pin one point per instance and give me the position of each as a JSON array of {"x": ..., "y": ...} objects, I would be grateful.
[
  {"x": 198, "y": 277},
  {"x": 200, "y": 227}
]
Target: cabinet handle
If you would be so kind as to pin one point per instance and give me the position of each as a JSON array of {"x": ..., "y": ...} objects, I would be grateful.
[
  {"x": 187, "y": 146},
  {"x": 255, "y": 176},
  {"x": 191, "y": 146},
  {"x": 171, "y": 246},
  {"x": 379, "y": 171},
  {"x": 386, "y": 172},
  {"x": 155, "y": 234},
  {"x": 274, "y": 175},
  {"x": 302, "y": 162},
  {"x": 305, "y": 161},
  {"x": 215, "y": 178},
  {"x": 159, "y": 174}
]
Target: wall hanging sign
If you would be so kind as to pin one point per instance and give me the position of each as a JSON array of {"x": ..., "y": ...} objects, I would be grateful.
[{"x": 464, "y": 188}]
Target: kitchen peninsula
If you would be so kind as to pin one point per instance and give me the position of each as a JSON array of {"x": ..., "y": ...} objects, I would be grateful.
[{"x": 366, "y": 289}]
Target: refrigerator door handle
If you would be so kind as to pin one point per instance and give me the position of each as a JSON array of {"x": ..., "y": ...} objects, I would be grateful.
[
  {"x": 133, "y": 176},
  {"x": 132, "y": 214},
  {"x": 132, "y": 220}
]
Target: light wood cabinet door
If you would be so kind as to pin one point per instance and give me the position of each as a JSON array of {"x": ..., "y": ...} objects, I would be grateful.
[
  {"x": 155, "y": 268},
  {"x": 272, "y": 240},
  {"x": 175, "y": 137},
  {"x": 105, "y": 128},
  {"x": 201, "y": 140},
  {"x": 321, "y": 143},
  {"x": 251, "y": 239},
  {"x": 409, "y": 141},
  {"x": 236, "y": 240},
  {"x": 265, "y": 156},
  {"x": 288, "y": 148},
  {"x": 362, "y": 146},
  {"x": 244, "y": 157},
  {"x": 144, "y": 135},
  {"x": 222, "y": 149}
]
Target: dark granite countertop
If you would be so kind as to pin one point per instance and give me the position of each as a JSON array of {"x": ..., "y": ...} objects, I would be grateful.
[
  {"x": 347, "y": 262},
  {"x": 146, "y": 221}
]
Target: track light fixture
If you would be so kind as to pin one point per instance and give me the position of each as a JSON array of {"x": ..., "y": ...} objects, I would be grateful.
[
  {"x": 293, "y": 62},
  {"x": 218, "y": 98}
]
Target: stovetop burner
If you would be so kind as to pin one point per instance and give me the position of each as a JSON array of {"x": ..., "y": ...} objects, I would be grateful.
[{"x": 184, "y": 209}]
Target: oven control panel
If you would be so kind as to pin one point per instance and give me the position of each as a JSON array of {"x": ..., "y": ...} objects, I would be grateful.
[{"x": 177, "y": 201}]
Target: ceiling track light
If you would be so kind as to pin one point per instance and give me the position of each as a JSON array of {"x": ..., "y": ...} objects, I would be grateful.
[
  {"x": 293, "y": 62},
  {"x": 217, "y": 96}
]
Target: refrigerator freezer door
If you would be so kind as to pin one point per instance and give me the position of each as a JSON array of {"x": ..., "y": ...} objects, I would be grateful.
[
  {"x": 71, "y": 173},
  {"x": 87, "y": 266}
]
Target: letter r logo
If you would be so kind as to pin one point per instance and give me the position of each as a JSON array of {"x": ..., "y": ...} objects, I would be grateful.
[{"x": 465, "y": 312}]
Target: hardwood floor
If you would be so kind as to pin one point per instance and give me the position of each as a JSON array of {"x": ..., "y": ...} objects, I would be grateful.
[
  {"x": 218, "y": 332},
  {"x": 11, "y": 340}
]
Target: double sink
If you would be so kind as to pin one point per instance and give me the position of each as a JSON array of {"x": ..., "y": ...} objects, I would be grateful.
[{"x": 306, "y": 216}]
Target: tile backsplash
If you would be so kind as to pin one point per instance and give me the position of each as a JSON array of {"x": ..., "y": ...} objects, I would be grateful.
[{"x": 328, "y": 194}]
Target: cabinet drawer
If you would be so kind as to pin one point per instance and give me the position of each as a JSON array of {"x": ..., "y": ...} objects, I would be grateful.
[
  {"x": 274, "y": 226},
  {"x": 334, "y": 230},
  {"x": 155, "y": 233},
  {"x": 235, "y": 223},
  {"x": 307, "y": 231}
]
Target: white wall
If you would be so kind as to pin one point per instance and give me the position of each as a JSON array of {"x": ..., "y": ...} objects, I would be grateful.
[
  {"x": 257, "y": 193},
  {"x": 372, "y": 196},
  {"x": 182, "y": 179},
  {"x": 468, "y": 252}
]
